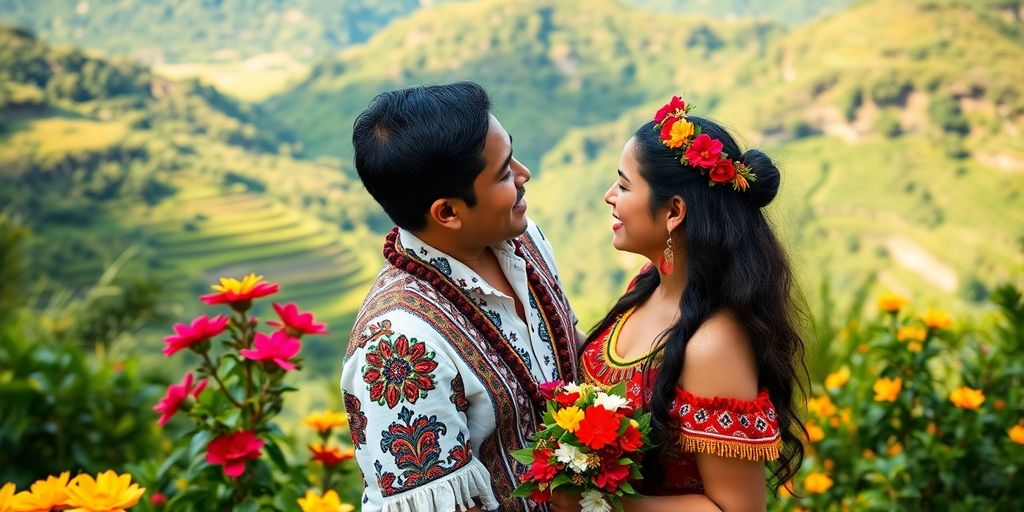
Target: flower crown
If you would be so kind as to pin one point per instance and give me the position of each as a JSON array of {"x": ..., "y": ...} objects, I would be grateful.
[{"x": 697, "y": 149}]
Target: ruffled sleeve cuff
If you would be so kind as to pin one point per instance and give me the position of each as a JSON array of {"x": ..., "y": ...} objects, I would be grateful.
[
  {"x": 739, "y": 429},
  {"x": 452, "y": 492}
]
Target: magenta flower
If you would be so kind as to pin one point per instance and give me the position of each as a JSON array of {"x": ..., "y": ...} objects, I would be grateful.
[
  {"x": 232, "y": 450},
  {"x": 704, "y": 151},
  {"x": 547, "y": 389},
  {"x": 202, "y": 329},
  {"x": 176, "y": 395},
  {"x": 278, "y": 347},
  {"x": 295, "y": 322}
]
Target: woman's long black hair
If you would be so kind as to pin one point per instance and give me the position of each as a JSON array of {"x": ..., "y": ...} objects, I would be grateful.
[{"x": 733, "y": 262}]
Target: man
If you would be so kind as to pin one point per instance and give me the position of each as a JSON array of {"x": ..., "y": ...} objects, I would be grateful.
[{"x": 467, "y": 317}]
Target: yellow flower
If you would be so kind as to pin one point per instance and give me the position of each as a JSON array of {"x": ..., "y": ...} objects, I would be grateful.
[
  {"x": 45, "y": 494},
  {"x": 936, "y": 319},
  {"x": 822, "y": 406},
  {"x": 7, "y": 498},
  {"x": 109, "y": 492},
  {"x": 326, "y": 420},
  {"x": 836, "y": 379},
  {"x": 330, "y": 502},
  {"x": 786, "y": 489},
  {"x": 1016, "y": 434},
  {"x": 911, "y": 333},
  {"x": 814, "y": 432},
  {"x": 681, "y": 130},
  {"x": 891, "y": 303},
  {"x": 569, "y": 418},
  {"x": 817, "y": 483},
  {"x": 232, "y": 285},
  {"x": 886, "y": 389},
  {"x": 914, "y": 346},
  {"x": 967, "y": 398}
]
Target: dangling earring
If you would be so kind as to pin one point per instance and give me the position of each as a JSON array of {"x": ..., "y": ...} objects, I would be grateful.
[{"x": 666, "y": 265}]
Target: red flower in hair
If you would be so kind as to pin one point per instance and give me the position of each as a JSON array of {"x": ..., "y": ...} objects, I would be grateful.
[
  {"x": 723, "y": 171},
  {"x": 666, "y": 129},
  {"x": 704, "y": 151},
  {"x": 675, "y": 105}
]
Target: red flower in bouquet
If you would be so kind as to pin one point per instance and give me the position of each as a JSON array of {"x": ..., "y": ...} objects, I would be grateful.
[
  {"x": 201, "y": 329},
  {"x": 543, "y": 469},
  {"x": 176, "y": 395},
  {"x": 631, "y": 440},
  {"x": 232, "y": 450},
  {"x": 566, "y": 399},
  {"x": 704, "y": 151},
  {"x": 278, "y": 348},
  {"x": 541, "y": 496},
  {"x": 611, "y": 476},
  {"x": 548, "y": 389},
  {"x": 232, "y": 291},
  {"x": 599, "y": 427},
  {"x": 295, "y": 322}
]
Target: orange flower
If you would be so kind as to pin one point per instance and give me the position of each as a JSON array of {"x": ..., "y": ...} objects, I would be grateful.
[
  {"x": 967, "y": 398},
  {"x": 817, "y": 483},
  {"x": 891, "y": 303},
  {"x": 895, "y": 449},
  {"x": 1016, "y": 434},
  {"x": 331, "y": 455},
  {"x": 786, "y": 489},
  {"x": 109, "y": 492},
  {"x": 7, "y": 498},
  {"x": 915, "y": 346},
  {"x": 868, "y": 454},
  {"x": 911, "y": 333},
  {"x": 886, "y": 389},
  {"x": 326, "y": 420},
  {"x": 45, "y": 494},
  {"x": 828, "y": 464},
  {"x": 999, "y": 405},
  {"x": 677, "y": 134},
  {"x": 822, "y": 406},
  {"x": 837, "y": 378},
  {"x": 814, "y": 432},
  {"x": 936, "y": 319}
]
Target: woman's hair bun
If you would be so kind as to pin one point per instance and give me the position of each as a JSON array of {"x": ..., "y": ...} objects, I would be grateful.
[{"x": 763, "y": 190}]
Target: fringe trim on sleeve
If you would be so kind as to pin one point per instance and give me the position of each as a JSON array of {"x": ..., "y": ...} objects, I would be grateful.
[
  {"x": 732, "y": 449},
  {"x": 453, "y": 492}
]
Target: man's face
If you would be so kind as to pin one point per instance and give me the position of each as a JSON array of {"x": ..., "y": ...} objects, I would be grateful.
[{"x": 500, "y": 211}]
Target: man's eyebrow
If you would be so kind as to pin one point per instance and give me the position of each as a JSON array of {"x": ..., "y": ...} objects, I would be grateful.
[{"x": 623, "y": 175}]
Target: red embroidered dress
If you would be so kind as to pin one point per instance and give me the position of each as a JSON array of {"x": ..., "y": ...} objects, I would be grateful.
[{"x": 746, "y": 429}]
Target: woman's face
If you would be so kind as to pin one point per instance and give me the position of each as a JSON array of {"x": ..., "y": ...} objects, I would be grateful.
[{"x": 635, "y": 229}]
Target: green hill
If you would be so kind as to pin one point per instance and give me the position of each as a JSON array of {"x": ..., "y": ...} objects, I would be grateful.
[
  {"x": 548, "y": 65},
  {"x": 916, "y": 186},
  {"x": 99, "y": 156}
]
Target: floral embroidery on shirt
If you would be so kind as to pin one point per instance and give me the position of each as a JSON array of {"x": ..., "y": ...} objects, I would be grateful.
[
  {"x": 356, "y": 420},
  {"x": 399, "y": 369},
  {"x": 417, "y": 451},
  {"x": 442, "y": 265},
  {"x": 458, "y": 396}
]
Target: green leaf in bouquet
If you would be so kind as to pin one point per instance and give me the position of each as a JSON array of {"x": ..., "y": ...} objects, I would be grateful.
[
  {"x": 559, "y": 480},
  {"x": 627, "y": 488},
  {"x": 524, "y": 455},
  {"x": 524, "y": 489},
  {"x": 615, "y": 501},
  {"x": 618, "y": 389}
]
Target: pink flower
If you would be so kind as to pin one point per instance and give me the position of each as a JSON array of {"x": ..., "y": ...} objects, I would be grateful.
[
  {"x": 675, "y": 107},
  {"x": 547, "y": 389},
  {"x": 704, "y": 151},
  {"x": 278, "y": 347},
  {"x": 296, "y": 322},
  {"x": 202, "y": 329},
  {"x": 232, "y": 450},
  {"x": 158, "y": 499},
  {"x": 176, "y": 395},
  {"x": 239, "y": 292}
]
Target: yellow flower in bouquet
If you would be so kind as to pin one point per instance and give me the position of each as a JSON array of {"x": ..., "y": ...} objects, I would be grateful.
[
  {"x": 967, "y": 398},
  {"x": 569, "y": 418},
  {"x": 108, "y": 492}
]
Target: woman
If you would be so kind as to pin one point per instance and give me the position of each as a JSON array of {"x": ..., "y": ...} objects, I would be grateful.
[{"x": 706, "y": 334}]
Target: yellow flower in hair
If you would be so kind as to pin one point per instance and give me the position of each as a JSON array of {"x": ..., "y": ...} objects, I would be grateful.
[{"x": 680, "y": 132}]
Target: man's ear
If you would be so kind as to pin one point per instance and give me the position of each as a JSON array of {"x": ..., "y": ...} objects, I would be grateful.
[
  {"x": 445, "y": 212},
  {"x": 676, "y": 213}
]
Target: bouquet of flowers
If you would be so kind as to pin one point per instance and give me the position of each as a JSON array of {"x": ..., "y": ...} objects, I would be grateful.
[{"x": 591, "y": 442}]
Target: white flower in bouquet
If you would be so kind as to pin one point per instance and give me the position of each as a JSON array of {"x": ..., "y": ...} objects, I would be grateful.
[
  {"x": 610, "y": 402},
  {"x": 593, "y": 501},
  {"x": 574, "y": 457}
]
